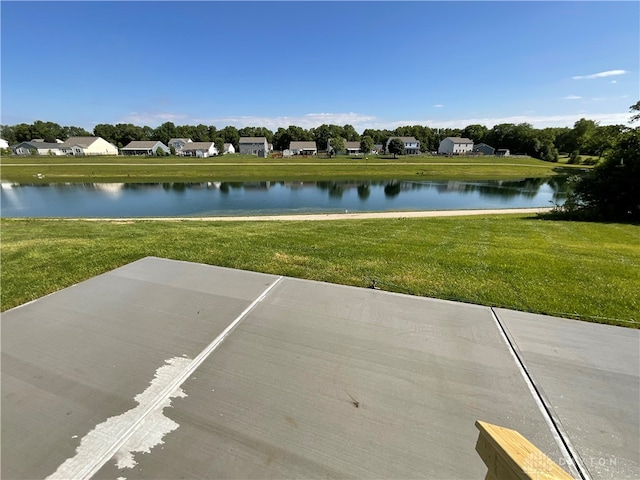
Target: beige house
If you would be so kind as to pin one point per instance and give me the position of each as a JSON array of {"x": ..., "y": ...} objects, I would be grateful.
[{"x": 88, "y": 146}]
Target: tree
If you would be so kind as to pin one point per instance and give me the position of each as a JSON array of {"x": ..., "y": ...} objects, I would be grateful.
[
  {"x": 366, "y": 144},
  {"x": 475, "y": 132},
  {"x": 635, "y": 108},
  {"x": 336, "y": 144},
  {"x": 396, "y": 146},
  {"x": 172, "y": 150},
  {"x": 165, "y": 132},
  {"x": 160, "y": 152},
  {"x": 611, "y": 191}
]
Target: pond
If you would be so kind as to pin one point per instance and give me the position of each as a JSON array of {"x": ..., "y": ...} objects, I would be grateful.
[{"x": 122, "y": 200}]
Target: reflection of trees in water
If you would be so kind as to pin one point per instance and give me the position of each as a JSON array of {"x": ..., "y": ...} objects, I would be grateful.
[
  {"x": 392, "y": 189},
  {"x": 224, "y": 187},
  {"x": 364, "y": 191},
  {"x": 527, "y": 188}
]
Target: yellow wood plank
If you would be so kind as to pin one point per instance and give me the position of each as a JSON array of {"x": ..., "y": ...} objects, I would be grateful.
[{"x": 508, "y": 455}]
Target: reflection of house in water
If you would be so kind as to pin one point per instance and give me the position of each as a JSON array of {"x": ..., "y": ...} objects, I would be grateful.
[
  {"x": 112, "y": 189},
  {"x": 256, "y": 185}
]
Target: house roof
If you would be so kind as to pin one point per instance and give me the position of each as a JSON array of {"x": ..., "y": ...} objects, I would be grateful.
[
  {"x": 352, "y": 145},
  {"x": 459, "y": 140},
  {"x": 81, "y": 141},
  {"x": 39, "y": 145},
  {"x": 253, "y": 139},
  {"x": 227, "y": 145},
  {"x": 198, "y": 146},
  {"x": 483, "y": 145},
  {"x": 185, "y": 140},
  {"x": 303, "y": 145},
  {"x": 138, "y": 144},
  {"x": 403, "y": 139}
]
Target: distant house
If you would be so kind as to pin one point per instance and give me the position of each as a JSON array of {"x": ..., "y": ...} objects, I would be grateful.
[
  {"x": 377, "y": 148},
  {"x": 88, "y": 146},
  {"x": 254, "y": 146},
  {"x": 352, "y": 148},
  {"x": 4, "y": 143},
  {"x": 179, "y": 144},
  {"x": 303, "y": 148},
  {"x": 199, "y": 149},
  {"x": 411, "y": 145},
  {"x": 228, "y": 148},
  {"x": 37, "y": 148},
  {"x": 455, "y": 146},
  {"x": 503, "y": 152},
  {"x": 484, "y": 149},
  {"x": 144, "y": 148}
]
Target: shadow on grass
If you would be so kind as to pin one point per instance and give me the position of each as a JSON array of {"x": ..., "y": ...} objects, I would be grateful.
[
  {"x": 571, "y": 170},
  {"x": 585, "y": 217}
]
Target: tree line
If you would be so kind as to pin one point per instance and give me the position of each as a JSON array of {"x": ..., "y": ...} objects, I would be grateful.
[{"x": 586, "y": 137}]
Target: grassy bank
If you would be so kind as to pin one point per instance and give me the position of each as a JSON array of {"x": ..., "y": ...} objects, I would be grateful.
[
  {"x": 567, "y": 269},
  {"x": 43, "y": 169}
]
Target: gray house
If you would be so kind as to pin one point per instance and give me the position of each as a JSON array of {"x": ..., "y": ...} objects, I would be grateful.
[
  {"x": 179, "y": 144},
  {"x": 144, "y": 148},
  {"x": 303, "y": 148},
  {"x": 254, "y": 146},
  {"x": 484, "y": 149},
  {"x": 39, "y": 148}
]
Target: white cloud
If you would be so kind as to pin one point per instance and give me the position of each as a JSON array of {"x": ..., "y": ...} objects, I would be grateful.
[
  {"x": 571, "y": 97},
  {"x": 538, "y": 121},
  {"x": 438, "y": 105},
  {"x": 608, "y": 73},
  {"x": 361, "y": 121},
  {"x": 152, "y": 119},
  {"x": 310, "y": 120}
]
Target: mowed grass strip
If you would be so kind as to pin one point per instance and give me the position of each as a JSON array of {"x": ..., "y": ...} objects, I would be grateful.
[
  {"x": 130, "y": 170},
  {"x": 571, "y": 269}
]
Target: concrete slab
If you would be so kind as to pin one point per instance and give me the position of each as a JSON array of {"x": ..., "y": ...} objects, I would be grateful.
[
  {"x": 75, "y": 358},
  {"x": 167, "y": 369},
  {"x": 329, "y": 381},
  {"x": 590, "y": 374}
]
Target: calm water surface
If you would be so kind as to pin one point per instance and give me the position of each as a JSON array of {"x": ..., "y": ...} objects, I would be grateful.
[{"x": 119, "y": 200}]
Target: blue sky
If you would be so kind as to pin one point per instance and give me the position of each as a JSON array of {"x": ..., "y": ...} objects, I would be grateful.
[{"x": 273, "y": 64}]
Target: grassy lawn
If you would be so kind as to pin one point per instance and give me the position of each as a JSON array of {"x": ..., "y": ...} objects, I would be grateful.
[
  {"x": 47, "y": 169},
  {"x": 572, "y": 269}
]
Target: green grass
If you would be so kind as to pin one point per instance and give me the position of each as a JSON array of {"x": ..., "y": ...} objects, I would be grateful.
[
  {"x": 571, "y": 269},
  {"x": 249, "y": 168}
]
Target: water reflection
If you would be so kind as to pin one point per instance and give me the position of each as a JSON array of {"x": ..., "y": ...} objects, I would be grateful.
[{"x": 230, "y": 198}]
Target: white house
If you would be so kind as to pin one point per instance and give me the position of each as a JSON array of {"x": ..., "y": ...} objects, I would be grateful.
[
  {"x": 4, "y": 143},
  {"x": 503, "y": 152},
  {"x": 144, "y": 148},
  {"x": 352, "y": 148},
  {"x": 179, "y": 144},
  {"x": 455, "y": 146},
  {"x": 411, "y": 145},
  {"x": 303, "y": 148},
  {"x": 88, "y": 146},
  {"x": 199, "y": 149},
  {"x": 254, "y": 146},
  {"x": 229, "y": 148},
  {"x": 40, "y": 148}
]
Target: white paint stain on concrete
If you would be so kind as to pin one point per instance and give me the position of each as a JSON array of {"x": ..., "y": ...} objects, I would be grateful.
[{"x": 152, "y": 425}]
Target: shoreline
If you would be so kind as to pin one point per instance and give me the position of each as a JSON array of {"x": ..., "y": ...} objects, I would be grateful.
[{"x": 319, "y": 216}]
